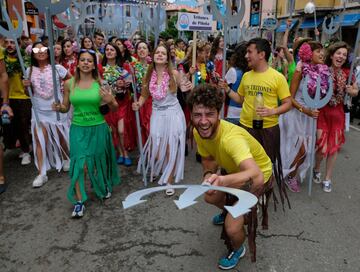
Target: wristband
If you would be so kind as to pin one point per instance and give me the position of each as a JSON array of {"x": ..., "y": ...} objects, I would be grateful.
[{"x": 207, "y": 172}]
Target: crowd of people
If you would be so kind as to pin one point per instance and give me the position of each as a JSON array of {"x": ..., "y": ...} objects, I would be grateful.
[{"x": 85, "y": 123}]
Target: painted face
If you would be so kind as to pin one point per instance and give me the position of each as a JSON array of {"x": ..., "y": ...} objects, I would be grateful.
[
  {"x": 110, "y": 52},
  {"x": 318, "y": 56},
  {"x": 339, "y": 57},
  {"x": 252, "y": 56},
  {"x": 87, "y": 43},
  {"x": 40, "y": 52},
  {"x": 57, "y": 50},
  {"x": 160, "y": 56},
  {"x": 142, "y": 50},
  {"x": 98, "y": 41},
  {"x": 86, "y": 62},
  {"x": 68, "y": 49},
  {"x": 205, "y": 121},
  {"x": 10, "y": 46}
]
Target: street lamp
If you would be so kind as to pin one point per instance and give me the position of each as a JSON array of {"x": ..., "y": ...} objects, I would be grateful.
[{"x": 309, "y": 9}]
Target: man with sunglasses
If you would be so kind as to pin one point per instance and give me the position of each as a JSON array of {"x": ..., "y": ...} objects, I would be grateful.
[{"x": 19, "y": 128}]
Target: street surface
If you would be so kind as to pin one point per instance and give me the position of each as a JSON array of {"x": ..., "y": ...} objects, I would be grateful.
[{"x": 320, "y": 233}]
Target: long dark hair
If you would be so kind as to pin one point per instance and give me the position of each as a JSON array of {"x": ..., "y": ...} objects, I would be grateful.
[
  {"x": 237, "y": 59},
  {"x": 215, "y": 47},
  {"x": 137, "y": 46},
  {"x": 331, "y": 51},
  {"x": 127, "y": 54},
  {"x": 118, "y": 55},
  {"x": 34, "y": 61},
  {"x": 63, "y": 56},
  {"x": 94, "y": 72},
  {"x": 83, "y": 42}
]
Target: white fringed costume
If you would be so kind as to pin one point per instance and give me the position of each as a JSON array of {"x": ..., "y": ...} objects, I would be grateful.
[
  {"x": 295, "y": 129},
  {"x": 51, "y": 129},
  {"x": 167, "y": 131}
]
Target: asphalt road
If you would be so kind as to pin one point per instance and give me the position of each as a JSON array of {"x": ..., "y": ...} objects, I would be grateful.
[{"x": 320, "y": 233}]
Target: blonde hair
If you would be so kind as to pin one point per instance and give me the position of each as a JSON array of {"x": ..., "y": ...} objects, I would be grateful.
[{"x": 145, "y": 92}]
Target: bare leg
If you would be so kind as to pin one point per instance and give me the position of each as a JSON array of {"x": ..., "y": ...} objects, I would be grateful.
[
  {"x": 39, "y": 153},
  {"x": 330, "y": 163},
  {"x": 235, "y": 230},
  {"x": 121, "y": 148},
  {"x": 215, "y": 198},
  {"x": 77, "y": 186},
  {"x": 319, "y": 155}
]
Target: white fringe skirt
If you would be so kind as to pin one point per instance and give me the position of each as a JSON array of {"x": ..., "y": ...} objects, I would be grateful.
[
  {"x": 295, "y": 131},
  {"x": 53, "y": 137},
  {"x": 164, "y": 150}
]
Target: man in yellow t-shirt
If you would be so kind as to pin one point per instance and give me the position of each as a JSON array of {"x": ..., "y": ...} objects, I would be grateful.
[
  {"x": 19, "y": 128},
  {"x": 277, "y": 100},
  {"x": 225, "y": 145}
]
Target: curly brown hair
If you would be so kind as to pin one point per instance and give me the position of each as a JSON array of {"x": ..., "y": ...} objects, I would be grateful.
[
  {"x": 331, "y": 51},
  {"x": 207, "y": 95}
]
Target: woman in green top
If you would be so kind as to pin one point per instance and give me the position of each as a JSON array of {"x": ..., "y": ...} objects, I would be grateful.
[{"x": 91, "y": 148}]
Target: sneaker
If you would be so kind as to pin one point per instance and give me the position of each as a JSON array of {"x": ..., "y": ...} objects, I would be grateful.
[
  {"x": 66, "y": 165},
  {"x": 293, "y": 184},
  {"x": 120, "y": 160},
  {"x": 232, "y": 259},
  {"x": 39, "y": 181},
  {"x": 21, "y": 155},
  {"x": 127, "y": 161},
  {"x": 78, "y": 211},
  {"x": 218, "y": 219},
  {"x": 26, "y": 159},
  {"x": 326, "y": 185},
  {"x": 316, "y": 177},
  {"x": 108, "y": 194}
]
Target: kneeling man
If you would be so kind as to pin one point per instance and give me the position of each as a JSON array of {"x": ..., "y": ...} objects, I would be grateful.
[{"x": 230, "y": 147}]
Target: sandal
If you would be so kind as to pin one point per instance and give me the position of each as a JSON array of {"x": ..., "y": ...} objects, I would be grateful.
[
  {"x": 2, "y": 185},
  {"x": 170, "y": 192}
]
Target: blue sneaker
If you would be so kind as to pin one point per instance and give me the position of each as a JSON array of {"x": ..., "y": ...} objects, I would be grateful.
[
  {"x": 232, "y": 259},
  {"x": 120, "y": 160},
  {"x": 127, "y": 161},
  {"x": 219, "y": 219},
  {"x": 78, "y": 211}
]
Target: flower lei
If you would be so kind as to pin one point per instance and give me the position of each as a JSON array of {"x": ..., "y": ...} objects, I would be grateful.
[
  {"x": 42, "y": 82},
  {"x": 140, "y": 71},
  {"x": 314, "y": 71},
  {"x": 339, "y": 79},
  {"x": 202, "y": 73},
  {"x": 13, "y": 66},
  {"x": 158, "y": 92}
]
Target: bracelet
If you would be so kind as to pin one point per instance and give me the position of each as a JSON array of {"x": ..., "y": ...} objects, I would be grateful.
[
  {"x": 5, "y": 104},
  {"x": 228, "y": 91},
  {"x": 301, "y": 109},
  {"x": 207, "y": 172}
]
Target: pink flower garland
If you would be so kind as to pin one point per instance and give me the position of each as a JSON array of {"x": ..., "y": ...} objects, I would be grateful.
[
  {"x": 314, "y": 71},
  {"x": 156, "y": 91},
  {"x": 305, "y": 52}
]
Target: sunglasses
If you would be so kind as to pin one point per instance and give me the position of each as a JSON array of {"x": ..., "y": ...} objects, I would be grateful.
[
  {"x": 39, "y": 50},
  {"x": 87, "y": 50}
]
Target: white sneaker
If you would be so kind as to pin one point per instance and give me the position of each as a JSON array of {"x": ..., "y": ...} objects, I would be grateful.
[
  {"x": 326, "y": 185},
  {"x": 39, "y": 181},
  {"x": 26, "y": 159},
  {"x": 21, "y": 155},
  {"x": 66, "y": 165}
]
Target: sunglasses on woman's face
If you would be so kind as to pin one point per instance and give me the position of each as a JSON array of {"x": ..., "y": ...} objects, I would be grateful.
[{"x": 39, "y": 50}]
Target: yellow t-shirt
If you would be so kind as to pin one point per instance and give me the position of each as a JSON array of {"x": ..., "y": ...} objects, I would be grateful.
[
  {"x": 231, "y": 146},
  {"x": 273, "y": 86},
  {"x": 1, "y": 53},
  {"x": 16, "y": 88}
]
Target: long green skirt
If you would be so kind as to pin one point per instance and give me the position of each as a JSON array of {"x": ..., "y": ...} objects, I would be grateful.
[{"x": 92, "y": 146}]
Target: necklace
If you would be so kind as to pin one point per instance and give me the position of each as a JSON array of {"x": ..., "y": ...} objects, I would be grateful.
[{"x": 158, "y": 92}]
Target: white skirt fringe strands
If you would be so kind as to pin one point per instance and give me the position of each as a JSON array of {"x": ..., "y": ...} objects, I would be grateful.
[
  {"x": 167, "y": 136},
  {"x": 52, "y": 151}
]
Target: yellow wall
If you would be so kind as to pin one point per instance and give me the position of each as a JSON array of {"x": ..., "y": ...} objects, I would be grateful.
[{"x": 282, "y": 5}]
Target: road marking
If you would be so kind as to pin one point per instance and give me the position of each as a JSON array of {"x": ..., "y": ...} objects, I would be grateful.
[{"x": 355, "y": 128}]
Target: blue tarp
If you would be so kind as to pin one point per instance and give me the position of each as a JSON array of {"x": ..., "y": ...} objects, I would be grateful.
[
  {"x": 282, "y": 26},
  {"x": 310, "y": 23}
]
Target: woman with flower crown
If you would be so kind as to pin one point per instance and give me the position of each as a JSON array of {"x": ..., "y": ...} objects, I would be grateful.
[
  {"x": 331, "y": 121},
  {"x": 296, "y": 124},
  {"x": 164, "y": 151},
  {"x": 50, "y": 136}
]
